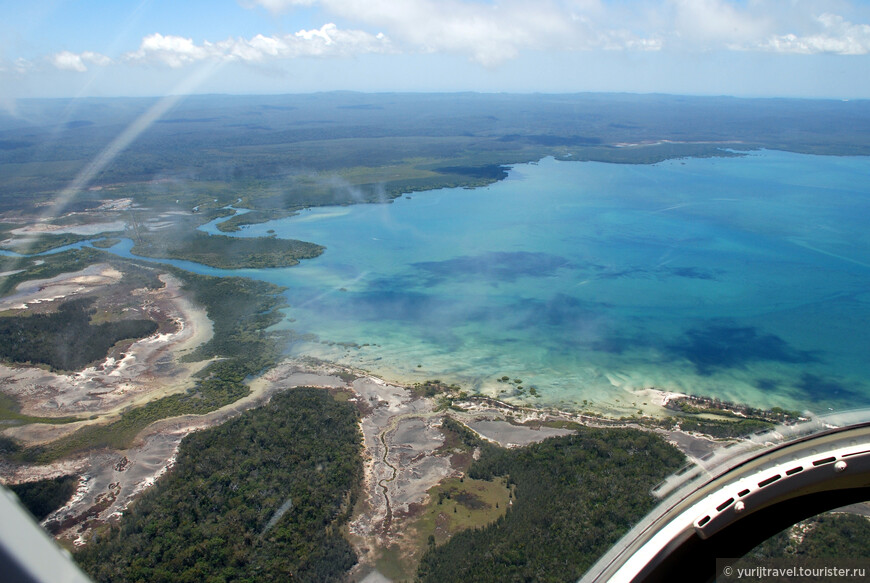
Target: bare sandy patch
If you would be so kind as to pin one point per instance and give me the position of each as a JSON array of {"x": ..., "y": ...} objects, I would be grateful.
[
  {"x": 36, "y": 291},
  {"x": 36, "y": 229},
  {"x": 41, "y": 433},
  {"x": 401, "y": 437},
  {"x": 509, "y": 435},
  {"x": 147, "y": 369},
  {"x": 656, "y": 397}
]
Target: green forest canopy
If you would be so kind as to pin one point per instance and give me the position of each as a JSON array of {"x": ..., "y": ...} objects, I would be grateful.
[
  {"x": 575, "y": 496},
  {"x": 217, "y": 516},
  {"x": 65, "y": 339}
]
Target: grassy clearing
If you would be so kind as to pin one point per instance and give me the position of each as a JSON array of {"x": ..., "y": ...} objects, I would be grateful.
[
  {"x": 455, "y": 505},
  {"x": 341, "y": 396},
  {"x": 459, "y": 504},
  {"x": 396, "y": 564},
  {"x": 10, "y": 414}
]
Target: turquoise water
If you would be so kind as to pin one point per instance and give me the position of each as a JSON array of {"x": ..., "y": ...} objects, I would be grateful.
[{"x": 743, "y": 278}]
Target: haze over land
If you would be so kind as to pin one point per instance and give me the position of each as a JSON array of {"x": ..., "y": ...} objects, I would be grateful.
[
  {"x": 216, "y": 181},
  {"x": 806, "y": 48}
]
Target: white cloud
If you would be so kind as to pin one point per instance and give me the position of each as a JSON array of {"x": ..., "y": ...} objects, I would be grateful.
[
  {"x": 837, "y": 37},
  {"x": 171, "y": 50},
  {"x": 496, "y": 31},
  {"x": 328, "y": 40},
  {"x": 68, "y": 61},
  {"x": 23, "y": 65},
  {"x": 641, "y": 44},
  {"x": 489, "y": 33},
  {"x": 713, "y": 23},
  {"x": 96, "y": 58}
]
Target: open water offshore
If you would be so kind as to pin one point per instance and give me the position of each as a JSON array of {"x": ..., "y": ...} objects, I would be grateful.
[{"x": 745, "y": 278}]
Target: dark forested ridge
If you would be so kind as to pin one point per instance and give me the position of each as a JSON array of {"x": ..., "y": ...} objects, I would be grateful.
[
  {"x": 259, "y": 498},
  {"x": 273, "y": 149},
  {"x": 65, "y": 339},
  {"x": 575, "y": 496},
  {"x": 43, "y": 497},
  {"x": 225, "y": 252}
]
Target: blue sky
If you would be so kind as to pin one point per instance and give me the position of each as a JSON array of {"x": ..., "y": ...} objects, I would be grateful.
[{"x": 790, "y": 48}]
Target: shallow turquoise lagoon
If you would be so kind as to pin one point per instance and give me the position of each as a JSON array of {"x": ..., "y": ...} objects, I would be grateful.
[{"x": 743, "y": 278}]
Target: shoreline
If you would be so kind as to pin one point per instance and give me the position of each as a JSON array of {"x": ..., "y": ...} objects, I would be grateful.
[
  {"x": 406, "y": 455},
  {"x": 404, "y": 445}
]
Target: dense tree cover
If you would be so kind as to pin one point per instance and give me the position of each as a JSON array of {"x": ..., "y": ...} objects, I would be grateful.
[
  {"x": 224, "y": 252},
  {"x": 217, "y": 516},
  {"x": 575, "y": 496},
  {"x": 46, "y": 266},
  {"x": 717, "y": 418},
  {"x": 43, "y": 242},
  {"x": 257, "y": 146},
  {"x": 466, "y": 436},
  {"x": 241, "y": 310},
  {"x": 236, "y": 222},
  {"x": 105, "y": 243},
  {"x": 8, "y": 445},
  {"x": 43, "y": 497},
  {"x": 836, "y": 535},
  {"x": 65, "y": 339}
]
